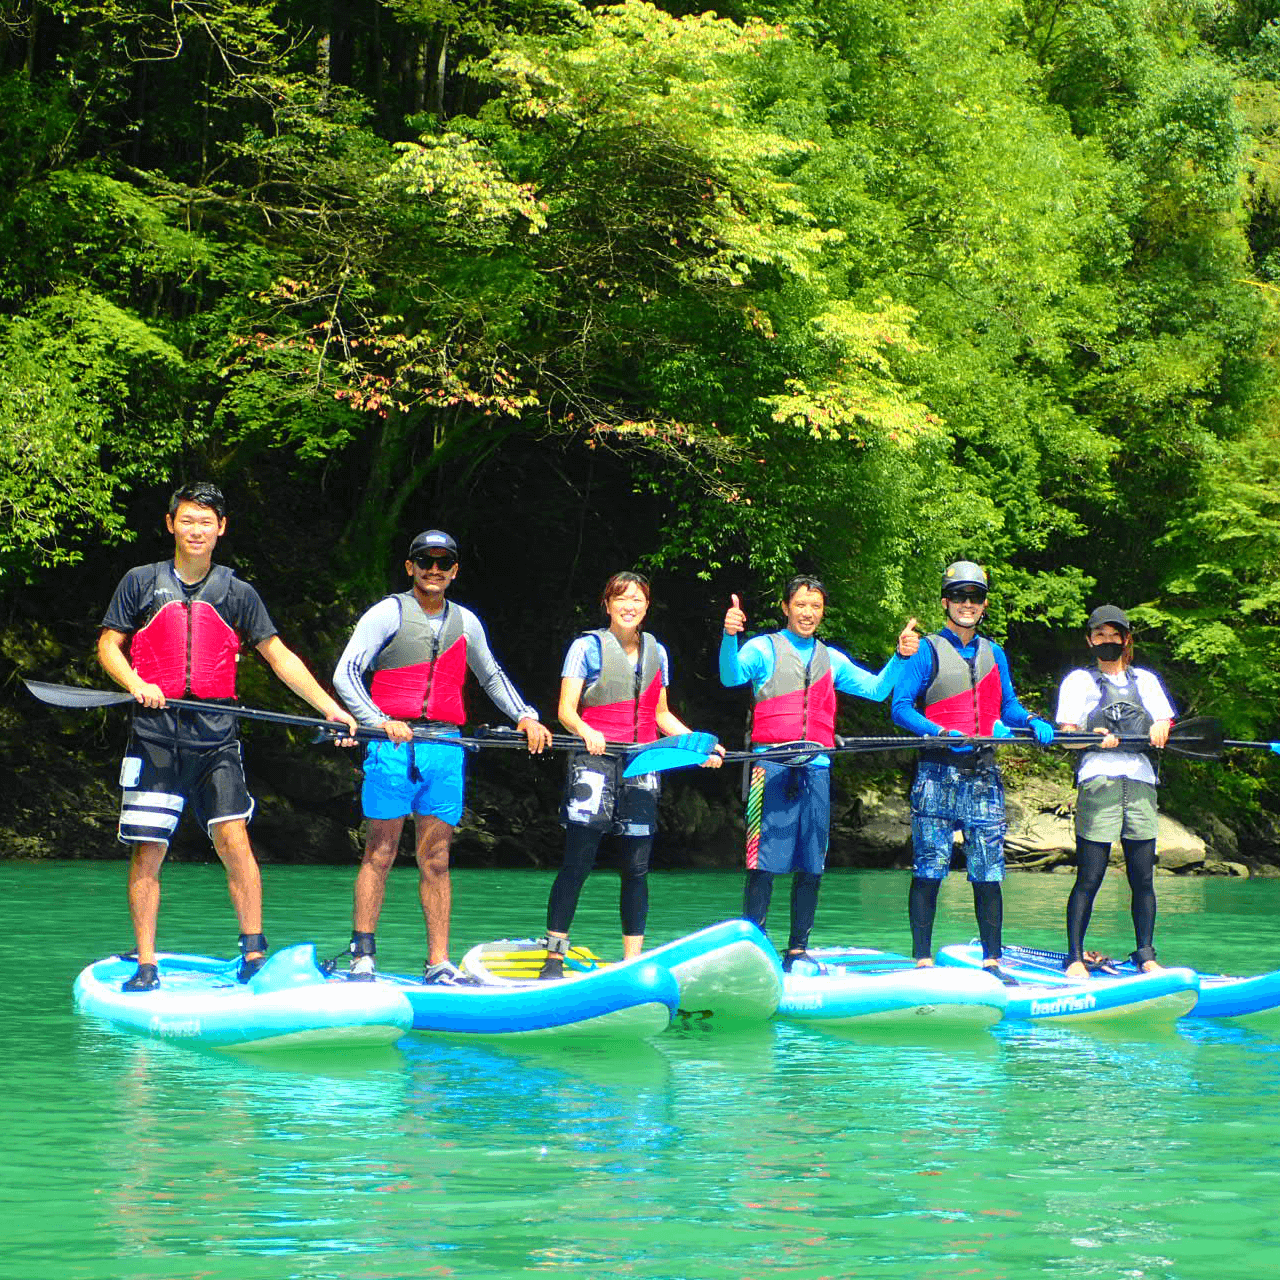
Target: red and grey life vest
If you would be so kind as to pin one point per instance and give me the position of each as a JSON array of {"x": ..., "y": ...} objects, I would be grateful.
[
  {"x": 187, "y": 646},
  {"x": 622, "y": 702},
  {"x": 420, "y": 672},
  {"x": 798, "y": 701},
  {"x": 964, "y": 693}
]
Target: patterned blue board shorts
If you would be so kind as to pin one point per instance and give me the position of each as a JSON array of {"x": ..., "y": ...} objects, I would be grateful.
[
  {"x": 391, "y": 789},
  {"x": 945, "y": 800}
]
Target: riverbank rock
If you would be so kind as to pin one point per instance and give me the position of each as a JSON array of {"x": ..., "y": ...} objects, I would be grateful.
[
  {"x": 1177, "y": 848},
  {"x": 873, "y": 829},
  {"x": 1042, "y": 834},
  {"x": 1215, "y": 868},
  {"x": 1222, "y": 844}
]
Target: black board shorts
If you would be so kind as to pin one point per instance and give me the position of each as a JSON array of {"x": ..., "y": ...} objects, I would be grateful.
[
  {"x": 158, "y": 779},
  {"x": 598, "y": 797}
]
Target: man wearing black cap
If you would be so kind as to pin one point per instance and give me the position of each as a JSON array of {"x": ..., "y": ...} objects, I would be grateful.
[
  {"x": 418, "y": 648},
  {"x": 1115, "y": 788}
]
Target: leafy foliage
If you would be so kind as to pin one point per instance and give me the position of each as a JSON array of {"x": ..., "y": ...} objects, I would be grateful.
[{"x": 856, "y": 288}]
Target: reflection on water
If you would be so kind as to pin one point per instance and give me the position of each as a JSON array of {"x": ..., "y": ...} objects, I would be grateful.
[{"x": 770, "y": 1151}]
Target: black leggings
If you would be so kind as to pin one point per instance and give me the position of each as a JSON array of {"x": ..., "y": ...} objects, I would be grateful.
[
  {"x": 1091, "y": 865},
  {"x": 580, "y": 847},
  {"x": 804, "y": 903},
  {"x": 988, "y": 909}
]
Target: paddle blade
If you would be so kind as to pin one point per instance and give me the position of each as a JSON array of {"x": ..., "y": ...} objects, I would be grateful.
[
  {"x": 1199, "y": 738},
  {"x": 65, "y": 695},
  {"x": 681, "y": 751}
]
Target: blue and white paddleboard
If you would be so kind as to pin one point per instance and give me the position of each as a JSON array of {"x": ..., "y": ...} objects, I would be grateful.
[
  {"x": 1046, "y": 993},
  {"x": 1256, "y": 999},
  {"x": 1221, "y": 995},
  {"x": 635, "y": 999},
  {"x": 288, "y": 1003},
  {"x": 728, "y": 972},
  {"x": 861, "y": 986}
]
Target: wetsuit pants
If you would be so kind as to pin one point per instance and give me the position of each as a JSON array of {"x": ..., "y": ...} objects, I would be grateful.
[
  {"x": 1092, "y": 857},
  {"x": 988, "y": 909},
  {"x": 804, "y": 903},
  {"x": 581, "y": 845}
]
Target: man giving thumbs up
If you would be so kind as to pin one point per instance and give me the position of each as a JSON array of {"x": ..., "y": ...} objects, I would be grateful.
[{"x": 795, "y": 677}]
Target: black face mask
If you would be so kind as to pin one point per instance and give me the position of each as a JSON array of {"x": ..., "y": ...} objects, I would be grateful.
[{"x": 1109, "y": 651}]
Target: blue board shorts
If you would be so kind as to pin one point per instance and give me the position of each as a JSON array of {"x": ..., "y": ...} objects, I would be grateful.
[
  {"x": 944, "y": 800},
  {"x": 157, "y": 780},
  {"x": 422, "y": 778},
  {"x": 788, "y": 818}
]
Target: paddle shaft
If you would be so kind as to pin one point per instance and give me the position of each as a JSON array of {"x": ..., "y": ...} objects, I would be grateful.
[
  {"x": 1204, "y": 734},
  {"x": 66, "y": 696}
]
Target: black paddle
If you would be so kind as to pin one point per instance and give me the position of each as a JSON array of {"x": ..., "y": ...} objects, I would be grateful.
[
  {"x": 1199, "y": 738},
  {"x": 700, "y": 745},
  {"x": 1265, "y": 746}
]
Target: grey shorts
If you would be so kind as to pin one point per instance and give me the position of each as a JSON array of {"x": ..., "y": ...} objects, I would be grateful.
[{"x": 1110, "y": 809}]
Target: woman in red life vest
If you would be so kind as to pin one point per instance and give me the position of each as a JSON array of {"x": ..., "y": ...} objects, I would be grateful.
[{"x": 613, "y": 688}]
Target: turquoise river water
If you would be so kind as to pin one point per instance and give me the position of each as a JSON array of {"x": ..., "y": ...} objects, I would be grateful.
[{"x": 777, "y": 1151}]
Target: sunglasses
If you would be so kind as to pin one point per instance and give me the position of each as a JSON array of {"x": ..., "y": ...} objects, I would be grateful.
[
  {"x": 444, "y": 563},
  {"x": 967, "y": 597}
]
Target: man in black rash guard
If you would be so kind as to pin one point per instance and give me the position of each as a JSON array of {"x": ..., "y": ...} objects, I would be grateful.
[{"x": 183, "y": 622}]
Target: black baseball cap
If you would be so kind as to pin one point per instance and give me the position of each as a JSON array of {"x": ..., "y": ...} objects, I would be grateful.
[
  {"x": 1108, "y": 615},
  {"x": 432, "y": 540}
]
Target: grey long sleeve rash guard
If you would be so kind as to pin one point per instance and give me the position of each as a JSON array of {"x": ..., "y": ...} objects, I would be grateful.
[{"x": 375, "y": 630}]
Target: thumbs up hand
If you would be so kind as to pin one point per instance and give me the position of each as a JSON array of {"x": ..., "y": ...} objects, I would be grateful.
[
  {"x": 735, "y": 621},
  {"x": 908, "y": 639}
]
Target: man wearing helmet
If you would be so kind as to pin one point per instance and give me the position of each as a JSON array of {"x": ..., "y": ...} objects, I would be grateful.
[{"x": 958, "y": 684}]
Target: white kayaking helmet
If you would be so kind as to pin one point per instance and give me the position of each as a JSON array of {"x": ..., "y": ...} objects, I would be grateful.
[{"x": 964, "y": 573}]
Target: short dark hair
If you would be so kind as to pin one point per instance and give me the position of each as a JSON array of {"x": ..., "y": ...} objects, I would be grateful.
[
  {"x": 803, "y": 580},
  {"x": 203, "y": 493}
]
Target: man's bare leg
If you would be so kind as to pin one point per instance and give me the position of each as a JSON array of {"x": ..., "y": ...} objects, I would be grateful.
[
  {"x": 144, "y": 896},
  {"x": 381, "y": 844},
  {"x": 244, "y": 880},
  {"x": 435, "y": 890}
]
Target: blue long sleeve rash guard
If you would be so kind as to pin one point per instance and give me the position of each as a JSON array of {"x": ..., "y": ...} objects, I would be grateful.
[
  {"x": 753, "y": 663},
  {"x": 916, "y": 673}
]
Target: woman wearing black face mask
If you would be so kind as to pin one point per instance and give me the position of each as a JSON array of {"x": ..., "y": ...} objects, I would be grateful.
[{"x": 1116, "y": 788}]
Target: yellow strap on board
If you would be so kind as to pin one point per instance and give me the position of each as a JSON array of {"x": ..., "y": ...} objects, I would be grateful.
[{"x": 527, "y": 962}]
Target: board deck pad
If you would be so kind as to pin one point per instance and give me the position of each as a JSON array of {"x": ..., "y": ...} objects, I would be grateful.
[{"x": 521, "y": 961}]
